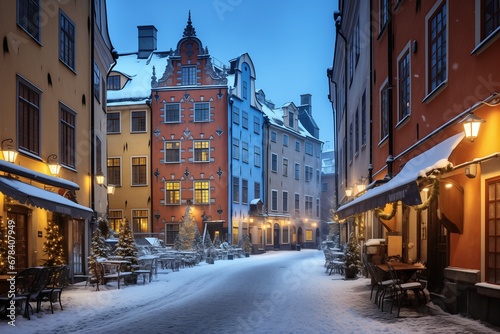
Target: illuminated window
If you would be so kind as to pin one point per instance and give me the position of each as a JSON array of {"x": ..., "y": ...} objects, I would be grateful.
[
  {"x": 201, "y": 192},
  {"x": 173, "y": 192},
  {"x": 201, "y": 151},
  {"x": 140, "y": 221}
]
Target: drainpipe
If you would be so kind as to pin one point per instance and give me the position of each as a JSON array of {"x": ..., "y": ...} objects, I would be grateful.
[
  {"x": 230, "y": 173},
  {"x": 335, "y": 137},
  {"x": 338, "y": 23},
  {"x": 92, "y": 117},
  {"x": 370, "y": 105},
  {"x": 390, "y": 41}
]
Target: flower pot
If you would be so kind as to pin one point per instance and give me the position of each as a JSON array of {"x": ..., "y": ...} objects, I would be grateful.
[{"x": 350, "y": 273}]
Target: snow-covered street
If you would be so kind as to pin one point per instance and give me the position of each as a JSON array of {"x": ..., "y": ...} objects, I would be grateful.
[{"x": 276, "y": 292}]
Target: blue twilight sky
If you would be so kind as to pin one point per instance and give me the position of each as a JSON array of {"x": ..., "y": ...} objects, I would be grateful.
[{"x": 290, "y": 42}]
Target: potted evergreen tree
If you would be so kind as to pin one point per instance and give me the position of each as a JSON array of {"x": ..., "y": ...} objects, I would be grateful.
[
  {"x": 246, "y": 245},
  {"x": 352, "y": 257}
]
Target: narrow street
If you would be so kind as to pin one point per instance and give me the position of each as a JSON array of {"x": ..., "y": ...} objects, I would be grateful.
[{"x": 276, "y": 292}]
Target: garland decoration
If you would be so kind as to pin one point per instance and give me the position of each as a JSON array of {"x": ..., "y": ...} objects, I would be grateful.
[
  {"x": 379, "y": 212},
  {"x": 434, "y": 192}
]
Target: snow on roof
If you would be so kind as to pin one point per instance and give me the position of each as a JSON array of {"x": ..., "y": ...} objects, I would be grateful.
[
  {"x": 139, "y": 71},
  {"x": 276, "y": 119}
]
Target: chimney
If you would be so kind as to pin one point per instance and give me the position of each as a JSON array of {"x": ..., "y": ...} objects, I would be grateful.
[
  {"x": 147, "y": 40},
  {"x": 306, "y": 102}
]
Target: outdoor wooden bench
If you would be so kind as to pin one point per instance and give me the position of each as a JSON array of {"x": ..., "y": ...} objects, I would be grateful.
[
  {"x": 145, "y": 268},
  {"x": 110, "y": 271}
]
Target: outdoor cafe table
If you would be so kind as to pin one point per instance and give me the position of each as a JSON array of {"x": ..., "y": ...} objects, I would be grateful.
[{"x": 405, "y": 270}]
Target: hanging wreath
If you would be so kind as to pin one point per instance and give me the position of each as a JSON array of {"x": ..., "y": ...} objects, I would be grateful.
[
  {"x": 380, "y": 213},
  {"x": 434, "y": 192}
]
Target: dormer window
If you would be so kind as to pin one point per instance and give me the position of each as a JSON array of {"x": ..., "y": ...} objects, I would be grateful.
[{"x": 290, "y": 119}]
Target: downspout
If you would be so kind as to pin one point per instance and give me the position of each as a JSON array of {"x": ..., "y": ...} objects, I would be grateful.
[
  {"x": 339, "y": 33},
  {"x": 92, "y": 117},
  {"x": 230, "y": 172},
  {"x": 335, "y": 137},
  {"x": 390, "y": 40},
  {"x": 370, "y": 168}
]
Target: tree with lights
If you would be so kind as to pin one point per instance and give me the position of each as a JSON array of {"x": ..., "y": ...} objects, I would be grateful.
[
  {"x": 126, "y": 246},
  {"x": 188, "y": 231},
  {"x": 53, "y": 246},
  {"x": 98, "y": 249},
  {"x": 3, "y": 247}
]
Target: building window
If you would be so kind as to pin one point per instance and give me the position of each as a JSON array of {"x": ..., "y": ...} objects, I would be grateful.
[
  {"x": 188, "y": 75},
  {"x": 172, "y": 231},
  {"x": 28, "y": 14},
  {"x": 404, "y": 85},
  {"x": 285, "y": 167},
  {"x": 202, "y": 112},
  {"x": 363, "y": 119},
  {"x": 317, "y": 207},
  {"x": 297, "y": 203},
  {"x": 383, "y": 14},
  {"x": 201, "y": 151},
  {"x": 139, "y": 173},
  {"x": 357, "y": 47},
  {"x": 291, "y": 119},
  {"x": 273, "y": 136},
  {"x": 236, "y": 115},
  {"x": 309, "y": 205},
  {"x": 98, "y": 154},
  {"x": 256, "y": 190},
  {"x": 114, "y": 171},
  {"x": 384, "y": 114},
  {"x": 356, "y": 131},
  {"x": 256, "y": 125},
  {"x": 172, "y": 112},
  {"x": 297, "y": 171},
  {"x": 244, "y": 120},
  {"x": 172, "y": 192},
  {"x": 256, "y": 156},
  {"x": 97, "y": 80},
  {"x": 309, "y": 235},
  {"x": 68, "y": 136},
  {"x": 493, "y": 231},
  {"x": 244, "y": 151},
  {"x": 172, "y": 151},
  {"x": 236, "y": 148},
  {"x": 437, "y": 47},
  {"x": 245, "y": 90},
  {"x": 201, "y": 192},
  {"x": 285, "y": 140},
  {"x": 113, "y": 82},
  {"x": 274, "y": 200},
  {"x": 244, "y": 191},
  {"x": 309, "y": 149},
  {"x": 113, "y": 122},
  {"x": 138, "y": 121},
  {"x": 236, "y": 189},
  {"x": 297, "y": 146},
  {"x": 324, "y": 186},
  {"x": 67, "y": 43},
  {"x": 115, "y": 218},
  {"x": 491, "y": 17},
  {"x": 28, "y": 117},
  {"x": 351, "y": 141},
  {"x": 140, "y": 221},
  {"x": 308, "y": 173},
  {"x": 318, "y": 176},
  {"x": 274, "y": 162},
  {"x": 285, "y": 201}
]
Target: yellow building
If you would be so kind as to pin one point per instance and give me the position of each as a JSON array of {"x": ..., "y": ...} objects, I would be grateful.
[{"x": 53, "y": 69}]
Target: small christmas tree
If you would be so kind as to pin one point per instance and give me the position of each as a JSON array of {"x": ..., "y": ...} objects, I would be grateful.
[
  {"x": 53, "y": 246},
  {"x": 188, "y": 231},
  {"x": 352, "y": 257},
  {"x": 126, "y": 246},
  {"x": 98, "y": 248}
]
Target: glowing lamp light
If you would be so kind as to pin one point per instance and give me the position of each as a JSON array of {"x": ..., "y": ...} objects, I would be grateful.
[{"x": 471, "y": 124}]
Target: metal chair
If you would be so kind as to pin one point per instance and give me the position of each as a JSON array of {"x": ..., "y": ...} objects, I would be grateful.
[
  {"x": 53, "y": 290},
  {"x": 400, "y": 290}
]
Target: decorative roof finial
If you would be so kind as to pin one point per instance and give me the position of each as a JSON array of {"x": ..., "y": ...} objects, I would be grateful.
[{"x": 189, "y": 30}]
